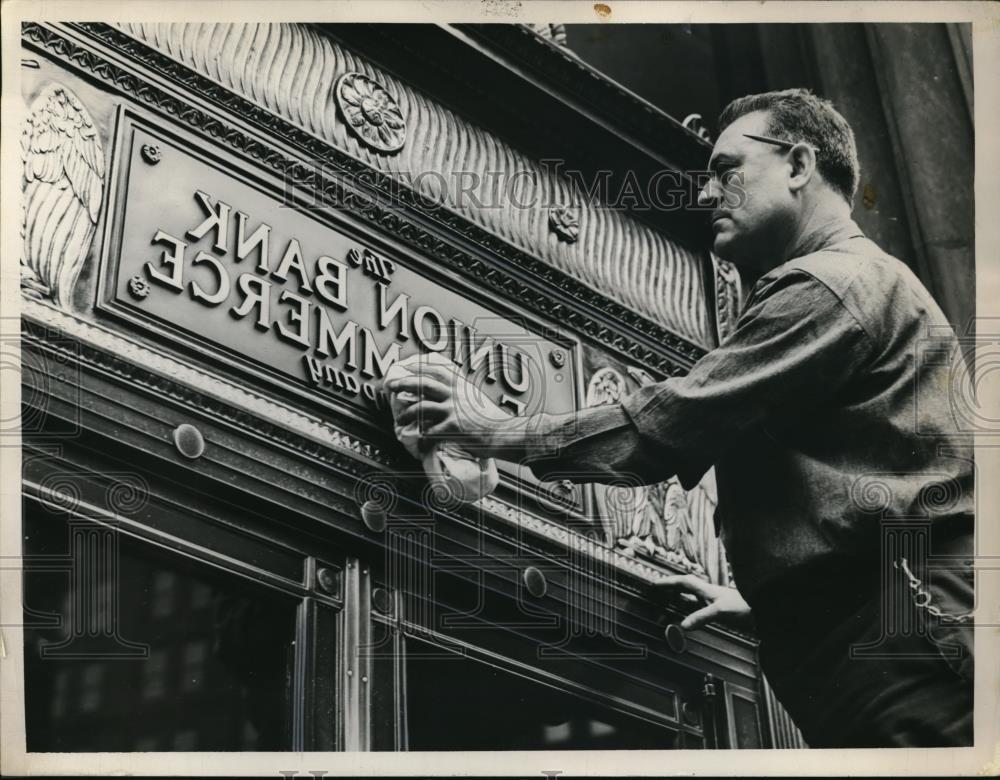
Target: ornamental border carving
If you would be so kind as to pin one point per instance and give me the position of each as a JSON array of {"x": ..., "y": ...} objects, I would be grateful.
[{"x": 587, "y": 311}]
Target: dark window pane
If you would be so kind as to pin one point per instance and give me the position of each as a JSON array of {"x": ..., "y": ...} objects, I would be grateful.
[
  {"x": 195, "y": 659},
  {"x": 323, "y": 681},
  {"x": 456, "y": 703},
  {"x": 385, "y": 691},
  {"x": 747, "y": 724}
]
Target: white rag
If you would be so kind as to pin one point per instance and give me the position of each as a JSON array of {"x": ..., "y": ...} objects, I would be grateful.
[{"x": 463, "y": 475}]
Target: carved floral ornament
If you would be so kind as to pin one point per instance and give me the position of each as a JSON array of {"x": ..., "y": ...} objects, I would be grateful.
[
  {"x": 564, "y": 221},
  {"x": 372, "y": 114}
]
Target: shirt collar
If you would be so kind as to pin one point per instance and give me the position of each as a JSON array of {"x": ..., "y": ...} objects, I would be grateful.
[{"x": 833, "y": 232}]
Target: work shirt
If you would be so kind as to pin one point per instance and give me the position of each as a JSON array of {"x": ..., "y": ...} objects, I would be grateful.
[{"x": 827, "y": 409}]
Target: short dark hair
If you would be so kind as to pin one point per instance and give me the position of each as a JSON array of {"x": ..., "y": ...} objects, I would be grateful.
[{"x": 799, "y": 115}]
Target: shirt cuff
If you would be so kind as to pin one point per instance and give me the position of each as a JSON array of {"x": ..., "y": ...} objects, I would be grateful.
[
  {"x": 581, "y": 446},
  {"x": 667, "y": 434}
]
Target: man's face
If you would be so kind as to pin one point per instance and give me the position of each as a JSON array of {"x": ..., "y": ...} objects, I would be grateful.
[{"x": 752, "y": 203}]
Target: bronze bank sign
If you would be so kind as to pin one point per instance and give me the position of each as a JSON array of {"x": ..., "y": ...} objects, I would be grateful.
[{"x": 202, "y": 252}]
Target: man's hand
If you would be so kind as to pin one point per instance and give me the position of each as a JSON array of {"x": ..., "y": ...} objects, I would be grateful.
[
  {"x": 448, "y": 407},
  {"x": 719, "y": 601}
]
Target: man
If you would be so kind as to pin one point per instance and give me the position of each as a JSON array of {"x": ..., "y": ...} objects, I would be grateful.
[{"x": 825, "y": 425}]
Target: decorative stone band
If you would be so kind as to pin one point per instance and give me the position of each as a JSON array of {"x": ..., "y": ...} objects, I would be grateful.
[{"x": 443, "y": 153}]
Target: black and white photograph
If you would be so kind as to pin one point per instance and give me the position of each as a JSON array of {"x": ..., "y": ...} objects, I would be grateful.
[{"x": 499, "y": 388}]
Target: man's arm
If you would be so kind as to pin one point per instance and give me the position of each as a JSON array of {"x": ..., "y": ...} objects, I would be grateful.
[{"x": 794, "y": 347}]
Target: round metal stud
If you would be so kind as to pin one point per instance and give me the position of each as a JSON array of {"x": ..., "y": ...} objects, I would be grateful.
[
  {"x": 373, "y": 515},
  {"x": 327, "y": 581},
  {"x": 189, "y": 441},
  {"x": 380, "y": 600},
  {"x": 138, "y": 288},
  {"x": 676, "y": 638},
  {"x": 564, "y": 488},
  {"x": 534, "y": 581},
  {"x": 151, "y": 153}
]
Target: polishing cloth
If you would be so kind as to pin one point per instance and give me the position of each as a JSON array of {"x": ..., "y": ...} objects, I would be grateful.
[{"x": 464, "y": 476}]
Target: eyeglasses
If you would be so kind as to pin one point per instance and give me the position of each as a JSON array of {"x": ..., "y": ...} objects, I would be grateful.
[{"x": 780, "y": 142}]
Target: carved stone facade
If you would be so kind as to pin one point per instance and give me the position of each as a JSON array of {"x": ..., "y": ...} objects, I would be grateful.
[
  {"x": 278, "y": 469},
  {"x": 449, "y": 161},
  {"x": 63, "y": 155}
]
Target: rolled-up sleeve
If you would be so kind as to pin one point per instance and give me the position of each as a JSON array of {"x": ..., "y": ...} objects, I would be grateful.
[{"x": 794, "y": 347}]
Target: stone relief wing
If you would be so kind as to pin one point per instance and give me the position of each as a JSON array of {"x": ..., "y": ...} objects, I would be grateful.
[{"x": 63, "y": 186}]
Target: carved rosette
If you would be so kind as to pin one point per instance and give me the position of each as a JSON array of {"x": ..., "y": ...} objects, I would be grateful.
[
  {"x": 372, "y": 114},
  {"x": 63, "y": 185}
]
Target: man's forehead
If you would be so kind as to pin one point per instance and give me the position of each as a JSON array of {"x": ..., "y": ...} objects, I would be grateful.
[{"x": 732, "y": 142}]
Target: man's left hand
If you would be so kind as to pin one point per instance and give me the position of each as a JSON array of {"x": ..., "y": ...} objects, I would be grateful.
[{"x": 718, "y": 601}]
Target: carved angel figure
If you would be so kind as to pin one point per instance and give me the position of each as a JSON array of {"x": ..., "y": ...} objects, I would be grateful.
[{"x": 63, "y": 186}]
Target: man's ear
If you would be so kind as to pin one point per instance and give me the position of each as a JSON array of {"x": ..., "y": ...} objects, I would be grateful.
[{"x": 803, "y": 159}]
